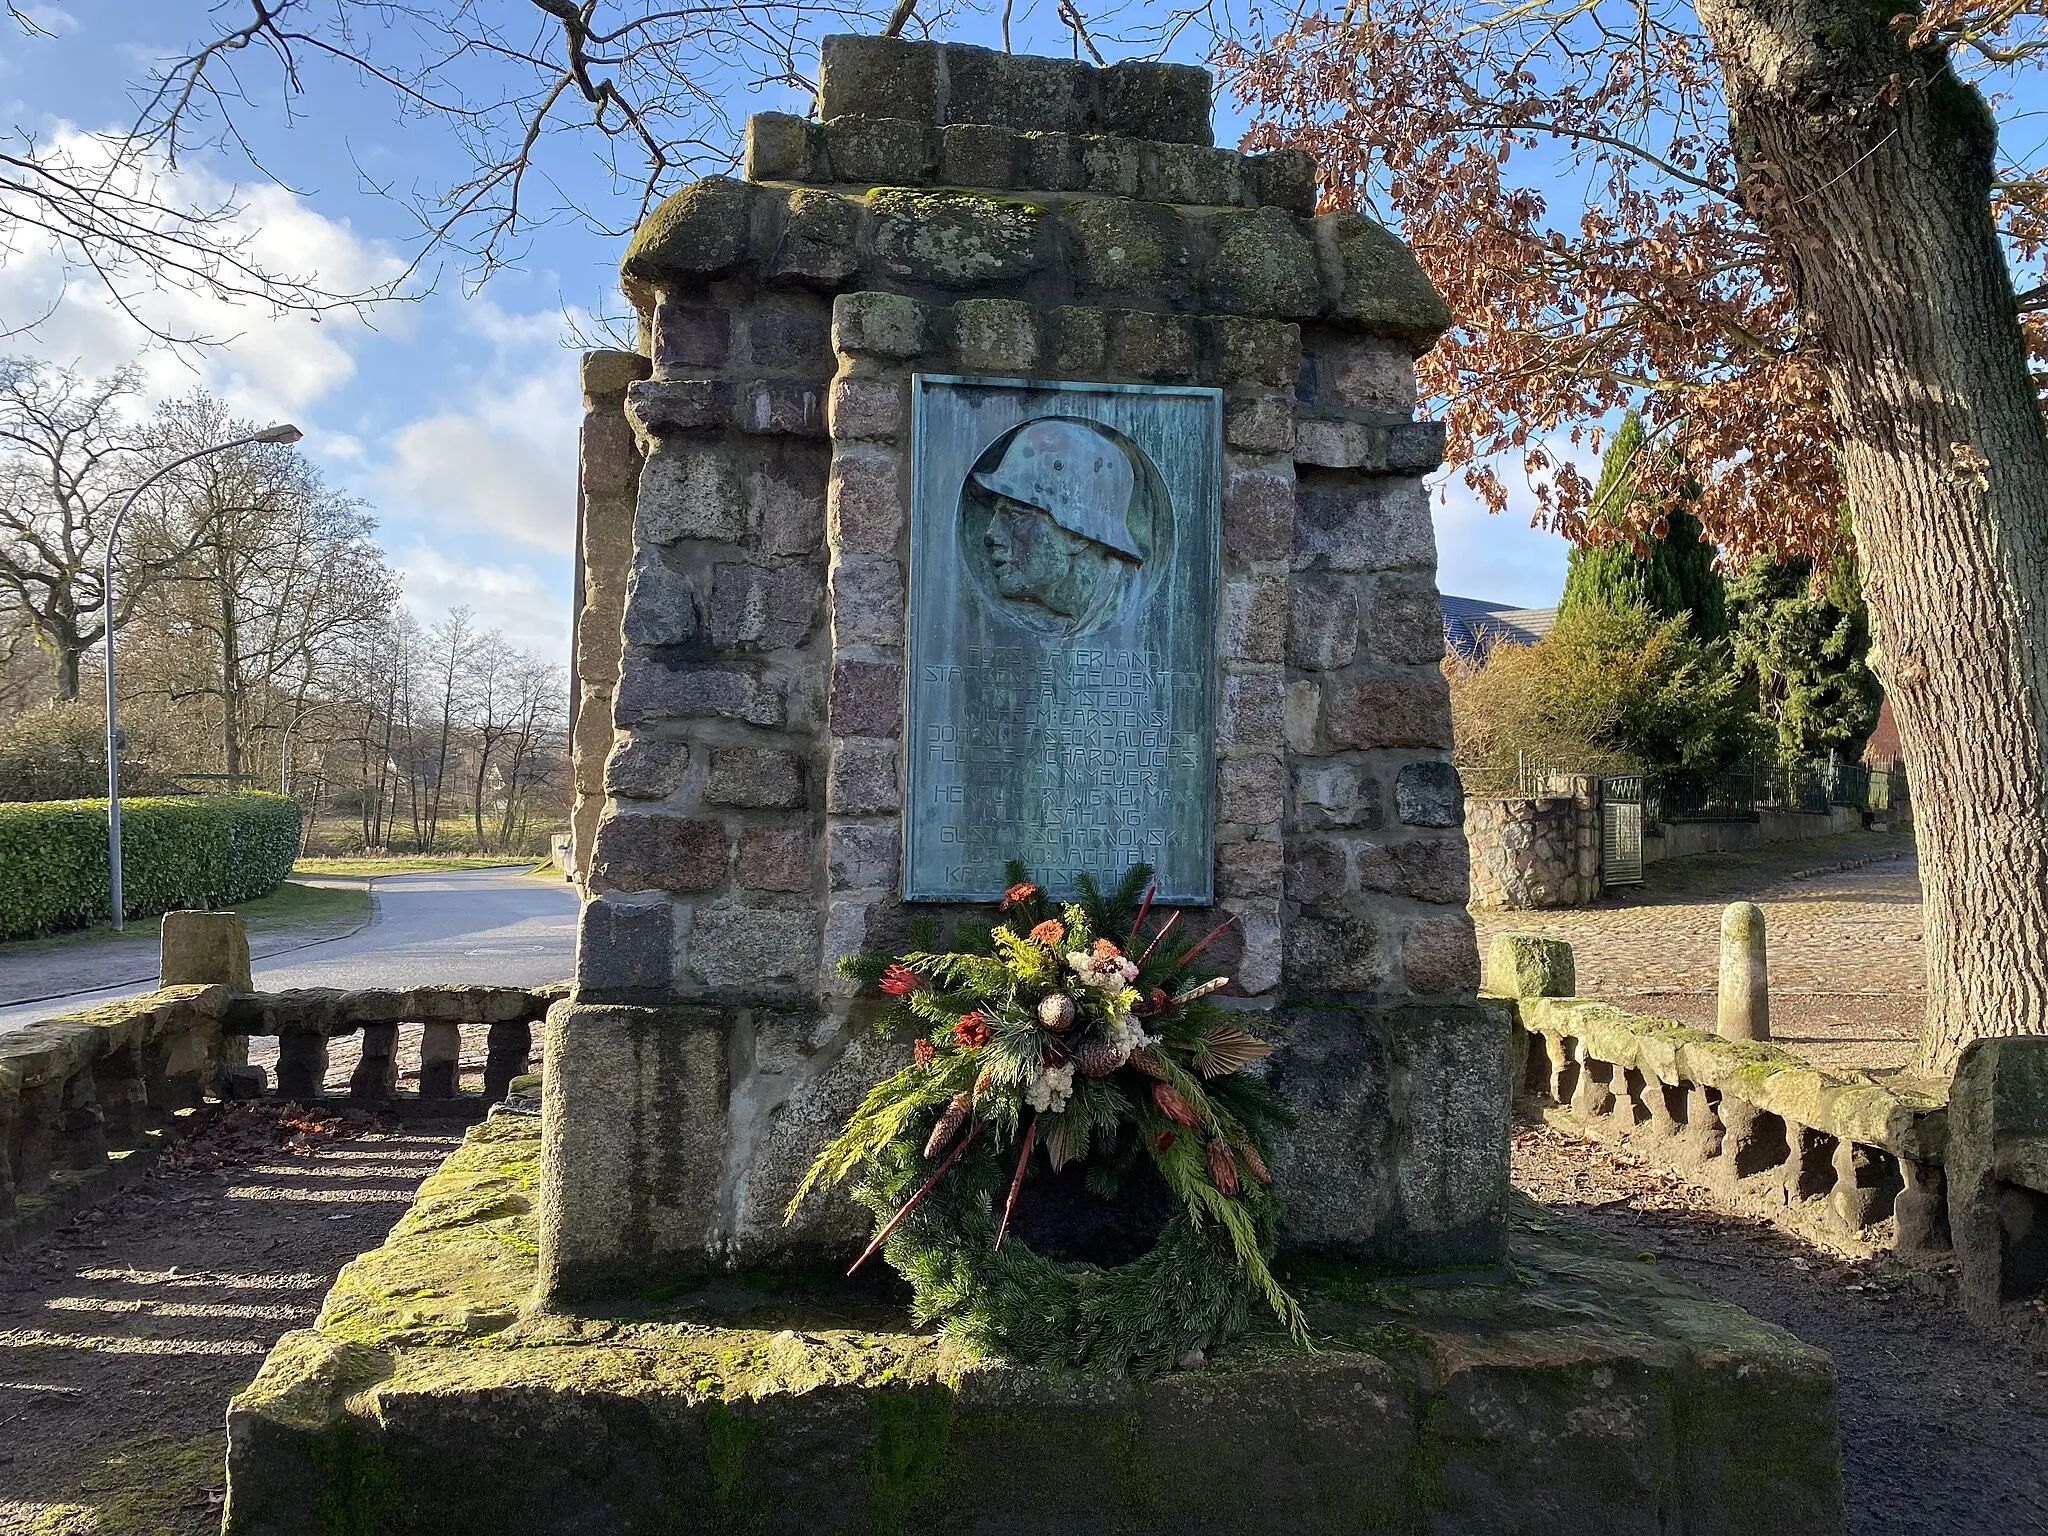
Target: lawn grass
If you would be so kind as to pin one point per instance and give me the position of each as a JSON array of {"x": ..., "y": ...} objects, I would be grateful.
[
  {"x": 293, "y": 905},
  {"x": 409, "y": 864}
]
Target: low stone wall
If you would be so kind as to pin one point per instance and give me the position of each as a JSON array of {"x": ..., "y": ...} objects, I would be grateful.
[
  {"x": 87, "y": 1099},
  {"x": 1748, "y": 1120},
  {"x": 1536, "y": 852},
  {"x": 1683, "y": 839}
]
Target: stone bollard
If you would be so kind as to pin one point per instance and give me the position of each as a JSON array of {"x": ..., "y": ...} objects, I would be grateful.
[
  {"x": 211, "y": 949},
  {"x": 204, "y": 949},
  {"x": 1744, "y": 1012},
  {"x": 1528, "y": 965}
]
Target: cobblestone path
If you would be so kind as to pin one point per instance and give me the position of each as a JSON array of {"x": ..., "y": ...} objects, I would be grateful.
[{"x": 1844, "y": 943}]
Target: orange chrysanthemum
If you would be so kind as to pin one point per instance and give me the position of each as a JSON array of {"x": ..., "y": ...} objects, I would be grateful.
[
  {"x": 1018, "y": 894},
  {"x": 1049, "y": 932}
]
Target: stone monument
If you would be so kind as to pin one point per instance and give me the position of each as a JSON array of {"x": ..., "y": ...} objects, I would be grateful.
[
  {"x": 1005, "y": 472},
  {"x": 1018, "y": 476}
]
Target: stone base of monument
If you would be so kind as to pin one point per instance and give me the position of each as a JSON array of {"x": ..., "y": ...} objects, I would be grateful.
[{"x": 1576, "y": 1392}]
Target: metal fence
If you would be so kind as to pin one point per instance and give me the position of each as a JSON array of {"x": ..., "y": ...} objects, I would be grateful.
[{"x": 1678, "y": 795}]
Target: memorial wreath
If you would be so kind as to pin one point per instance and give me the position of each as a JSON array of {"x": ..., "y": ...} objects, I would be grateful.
[{"x": 1069, "y": 1033}]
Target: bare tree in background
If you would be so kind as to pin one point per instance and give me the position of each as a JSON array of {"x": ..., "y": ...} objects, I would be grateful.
[
  {"x": 281, "y": 572},
  {"x": 535, "y": 745},
  {"x": 491, "y": 707},
  {"x": 69, "y": 453}
]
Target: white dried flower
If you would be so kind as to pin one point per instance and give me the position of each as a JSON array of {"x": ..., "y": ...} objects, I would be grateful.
[{"x": 1047, "y": 1089}]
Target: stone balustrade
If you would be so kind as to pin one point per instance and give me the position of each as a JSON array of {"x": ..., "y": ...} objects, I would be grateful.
[
  {"x": 1998, "y": 1183},
  {"x": 86, "y": 1099},
  {"x": 1747, "y": 1119}
]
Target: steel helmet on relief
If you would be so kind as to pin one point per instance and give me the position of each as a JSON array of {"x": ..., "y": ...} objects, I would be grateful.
[{"x": 1075, "y": 475}]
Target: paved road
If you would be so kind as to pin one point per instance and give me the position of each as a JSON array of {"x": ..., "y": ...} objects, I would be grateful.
[{"x": 469, "y": 925}]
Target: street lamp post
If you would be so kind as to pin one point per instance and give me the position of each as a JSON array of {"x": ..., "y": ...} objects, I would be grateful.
[
  {"x": 283, "y": 432},
  {"x": 284, "y": 751}
]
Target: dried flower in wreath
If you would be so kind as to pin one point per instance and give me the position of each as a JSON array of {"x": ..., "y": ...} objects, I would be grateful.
[{"x": 1050, "y": 1035}]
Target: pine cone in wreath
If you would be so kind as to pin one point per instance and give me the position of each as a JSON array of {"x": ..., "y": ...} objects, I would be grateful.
[
  {"x": 1056, "y": 1012},
  {"x": 949, "y": 1122},
  {"x": 1253, "y": 1161},
  {"x": 1174, "y": 1107},
  {"x": 1148, "y": 1065},
  {"x": 1097, "y": 1058},
  {"x": 1222, "y": 1166}
]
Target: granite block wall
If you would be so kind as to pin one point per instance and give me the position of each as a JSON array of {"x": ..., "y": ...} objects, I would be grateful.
[{"x": 754, "y": 762}]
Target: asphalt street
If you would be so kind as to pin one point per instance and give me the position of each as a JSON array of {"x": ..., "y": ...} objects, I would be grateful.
[{"x": 486, "y": 925}]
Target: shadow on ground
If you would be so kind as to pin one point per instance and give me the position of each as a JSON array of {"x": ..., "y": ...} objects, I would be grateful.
[{"x": 123, "y": 1335}]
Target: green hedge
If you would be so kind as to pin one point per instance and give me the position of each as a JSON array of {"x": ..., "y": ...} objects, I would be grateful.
[{"x": 192, "y": 851}]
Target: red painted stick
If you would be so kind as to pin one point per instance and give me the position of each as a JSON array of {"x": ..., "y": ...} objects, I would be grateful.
[
  {"x": 924, "y": 1189},
  {"x": 1143, "y": 907},
  {"x": 1184, "y": 959},
  {"x": 1017, "y": 1183},
  {"x": 1157, "y": 937}
]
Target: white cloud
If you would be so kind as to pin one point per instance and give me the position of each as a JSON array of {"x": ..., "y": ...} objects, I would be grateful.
[
  {"x": 513, "y": 599},
  {"x": 1499, "y": 556},
  {"x": 506, "y": 462},
  {"x": 266, "y": 365}
]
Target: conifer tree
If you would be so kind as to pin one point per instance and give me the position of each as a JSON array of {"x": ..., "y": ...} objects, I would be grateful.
[
  {"x": 1809, "y": 654},
  {"x": 1671, "y": 572}
]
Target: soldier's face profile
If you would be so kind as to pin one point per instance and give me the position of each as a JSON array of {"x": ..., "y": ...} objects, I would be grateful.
[
  {"x": 1030, "y": 554},
  {"x": 1035, "y": 560}
]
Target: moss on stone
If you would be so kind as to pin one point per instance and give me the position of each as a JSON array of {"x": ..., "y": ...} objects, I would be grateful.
[
  {"x": 143, "y": 1487},
  {"x": 912, "y": 1431},
  {"x": 1263, "y": 265},
  {"x": 731, "y": 1406},
  {"x": 954, "y": 238},
  {"x": 1906, "y": 1116},
  {"x": 728, "y": 1436},
  {"x": 700, "y": 229},
  {"x": 1381, "y": 288}
]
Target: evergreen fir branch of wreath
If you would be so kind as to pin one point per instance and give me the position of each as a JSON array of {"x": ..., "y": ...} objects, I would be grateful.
[{"x": 1077, "y": 1035}]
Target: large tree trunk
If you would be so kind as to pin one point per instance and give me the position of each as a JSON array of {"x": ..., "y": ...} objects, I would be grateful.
[
  {"x": 1871, "y": 168},
  {"x": 67, "y": 674}
]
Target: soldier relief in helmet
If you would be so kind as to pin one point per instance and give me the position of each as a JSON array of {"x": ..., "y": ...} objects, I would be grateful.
[{"x": 1062, "y": 515}]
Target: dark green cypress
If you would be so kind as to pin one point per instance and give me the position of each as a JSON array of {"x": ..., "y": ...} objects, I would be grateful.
[
  {"x": 1677, "y": 576},
  {"x": 1809, "y": 654}
]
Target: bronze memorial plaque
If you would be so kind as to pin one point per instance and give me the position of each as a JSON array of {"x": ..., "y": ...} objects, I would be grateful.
[{"x": 1063, "y": 589}]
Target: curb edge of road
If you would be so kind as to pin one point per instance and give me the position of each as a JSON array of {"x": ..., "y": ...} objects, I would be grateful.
[{"x": 369, "y": 887}]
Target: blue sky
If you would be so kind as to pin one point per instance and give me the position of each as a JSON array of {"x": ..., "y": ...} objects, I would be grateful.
[{"x": 454, "y": 416}]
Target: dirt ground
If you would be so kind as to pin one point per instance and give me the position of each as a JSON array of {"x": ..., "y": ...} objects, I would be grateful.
[
  {"x": 1944, "y": 1429},
  {"x": 1847, "y": 990},
  {"x": 123, "y": 1335}
]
